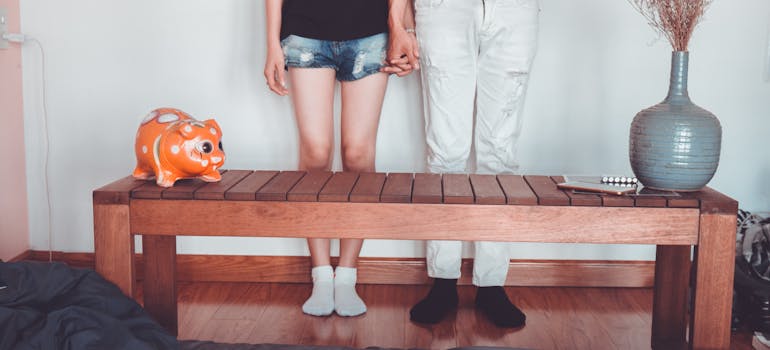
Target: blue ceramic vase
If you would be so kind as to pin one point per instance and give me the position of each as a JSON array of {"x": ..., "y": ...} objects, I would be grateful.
[{"x": 675, "y": 144}]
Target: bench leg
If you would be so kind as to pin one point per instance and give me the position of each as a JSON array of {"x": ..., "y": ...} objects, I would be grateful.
[
  {"x": 669, "y": 307},
  {"x": 160, "y": 280},
  {"x": 713, "y": 287},
  {"x": 114, "y": 246}
]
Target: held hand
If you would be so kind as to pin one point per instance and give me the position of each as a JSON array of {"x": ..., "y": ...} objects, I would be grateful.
[
  {"x": 403, "y": 53},
  {"x": 401, "y": 69},
  {"x": 275, "y": 71}
]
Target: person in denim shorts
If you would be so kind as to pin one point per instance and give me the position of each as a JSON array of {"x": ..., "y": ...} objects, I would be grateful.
[{"x": 319, "y": 43}]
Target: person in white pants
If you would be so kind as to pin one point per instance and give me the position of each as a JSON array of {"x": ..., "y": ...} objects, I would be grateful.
[{"x": 475, "y": 58}]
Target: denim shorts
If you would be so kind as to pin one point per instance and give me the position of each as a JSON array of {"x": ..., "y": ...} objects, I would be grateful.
[{"x": 352, "y": 59}]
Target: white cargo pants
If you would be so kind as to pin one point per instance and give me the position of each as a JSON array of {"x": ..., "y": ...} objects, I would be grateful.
[{"x": 476, "y": 57}]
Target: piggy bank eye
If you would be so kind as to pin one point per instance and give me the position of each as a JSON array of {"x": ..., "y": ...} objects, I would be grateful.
[
  {"x": 205, "y": 147},
  {"x": 220, "y": 146}
]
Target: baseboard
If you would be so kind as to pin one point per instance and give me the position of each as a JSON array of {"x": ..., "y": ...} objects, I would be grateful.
[
  {"x": 23, "y": 256},
  {"x": 296, "y": 269}
]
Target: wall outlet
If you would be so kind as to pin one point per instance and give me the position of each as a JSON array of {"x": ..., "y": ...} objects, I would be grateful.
[{"x": 3, "y": 27}]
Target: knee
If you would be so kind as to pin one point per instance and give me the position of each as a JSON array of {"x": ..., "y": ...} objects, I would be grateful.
[
  {"x": 358, "y": 157},
  {"x": 316, "y": 157}
]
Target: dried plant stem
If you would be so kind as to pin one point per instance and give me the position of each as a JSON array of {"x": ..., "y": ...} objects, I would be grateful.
[{"x": 674, "y": 19}]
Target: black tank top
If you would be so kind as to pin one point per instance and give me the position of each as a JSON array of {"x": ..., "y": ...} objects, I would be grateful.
[{"x": 335, "y": 20}]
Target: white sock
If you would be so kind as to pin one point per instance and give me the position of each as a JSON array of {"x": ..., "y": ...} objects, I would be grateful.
[
  {"x": 321, "y": 302},
  {"x": 346, "y": 300}
]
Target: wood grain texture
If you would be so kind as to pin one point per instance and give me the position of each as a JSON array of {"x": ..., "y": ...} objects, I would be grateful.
[
  {"x": 671, "y": 226},
  {"x": 669, "y": 310},
  {"x": 553, "y": 221},
  {"x": 457, "y": 189},
  {"x": 368, "y": 188},
  {"x": 486, "y": 189},
  {"x": 427, "y": 188},
  {"x": 650, "y": 201},
  {"x": 114, "y": 246},
  {"x": 617, "y": 201},
  {"x": 397, "y": 188},
  {"x": 160, "y": 280},
  {"x": 279, "y": 186},
  {"x": 557, "y": 318},
  {"x": 216, "y": 190},
  {"x": 117, "y": 192},
  {"x": 714, "y": 202},
  {"x": 287, "y": 323},
  {"x": 713, "y": 286},
  {"x": 338, "y": 188},
  {"x": 546, "y": 191},
  {"x": 148, "y": 190},
  {"x": 685, "y": 200},
  {"x": 578, "y": 273},
  {"x": 308, "y": 188},
  {"x": 246, "y": 189},
  {"x": 183, "y": 189},
  {"x": 374, "y": 270},
  {"x": 232, "y": 321},
  {"x": 516, "y": 189},
  {"x": 581, "y": 199}
]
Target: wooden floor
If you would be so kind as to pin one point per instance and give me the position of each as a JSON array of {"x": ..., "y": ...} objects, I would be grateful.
[{"x": 557, "y": 318}]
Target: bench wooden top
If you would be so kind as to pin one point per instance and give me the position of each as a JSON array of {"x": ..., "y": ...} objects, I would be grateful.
[{"x": 261, "y": 185}]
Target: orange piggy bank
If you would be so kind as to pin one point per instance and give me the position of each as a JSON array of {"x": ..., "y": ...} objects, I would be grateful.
[{"x": 171, "y": 145}]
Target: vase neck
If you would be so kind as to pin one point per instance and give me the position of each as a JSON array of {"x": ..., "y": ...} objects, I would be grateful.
[{"x": 677, "y": 89}]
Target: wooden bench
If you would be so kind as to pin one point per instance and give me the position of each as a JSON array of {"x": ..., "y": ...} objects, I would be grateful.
[{"x": 428, "y": 206}]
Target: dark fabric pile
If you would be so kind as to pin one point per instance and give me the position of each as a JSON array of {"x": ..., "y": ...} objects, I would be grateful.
[
  {"x": 751, "y": 293},
  {"x": 53, "y": 306}
]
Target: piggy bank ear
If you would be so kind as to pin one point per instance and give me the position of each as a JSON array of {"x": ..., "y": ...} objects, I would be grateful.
[{"x": 213, "y": 127}]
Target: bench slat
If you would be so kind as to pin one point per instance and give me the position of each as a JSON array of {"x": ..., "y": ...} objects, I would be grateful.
[
  {"x": 427, "y": 188},
  {"x": 580, "y": 199},
  {"x": 397, "y": 188},
  {"x": 279, "y": 186},
  {"x": 486, "y": 189},
  {"x": 183, "y": 189},
  {"x": 117, "y": 192},
  {"x": 246, "y": 189},
  {"x": 457, "y": 189},
  {"x": 617, "y": 201},
  {"x": 148, "y": 191},
  {"x": 516, "y": 190},
  {"x": 650, "y": 201},
  {"x": 307, "y": 189},
  {"x": 686, "y": 200},
  {"x": 338, "y": 188},
  {"x": 216, "y": 190},
  {"x": 546, "y": 190},
  {"x": 368, "y": 188}
]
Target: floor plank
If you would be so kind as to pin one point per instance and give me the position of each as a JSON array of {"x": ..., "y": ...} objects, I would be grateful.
[{"x": 557, "y": 318}]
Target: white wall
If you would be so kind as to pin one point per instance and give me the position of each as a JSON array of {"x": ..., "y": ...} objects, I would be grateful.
[{"x": 110, "y": 62}]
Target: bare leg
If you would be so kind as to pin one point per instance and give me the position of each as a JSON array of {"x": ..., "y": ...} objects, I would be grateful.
[
  {"x": 361, "y": 106},
  {"x": 313, "y": 97}
]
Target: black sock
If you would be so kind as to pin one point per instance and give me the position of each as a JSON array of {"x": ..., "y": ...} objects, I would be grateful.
[
  {"x": 441, "y": 299},
  {"x": 494, "y": 303}
]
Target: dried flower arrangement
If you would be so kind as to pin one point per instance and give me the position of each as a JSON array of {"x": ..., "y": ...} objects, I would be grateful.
[{"x": 674, "y": 19}]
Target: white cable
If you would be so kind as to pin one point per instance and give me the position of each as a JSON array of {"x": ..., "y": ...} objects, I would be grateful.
[
  {"x": 47, "y": 148},
  {"x": 21, "y": 39}
]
